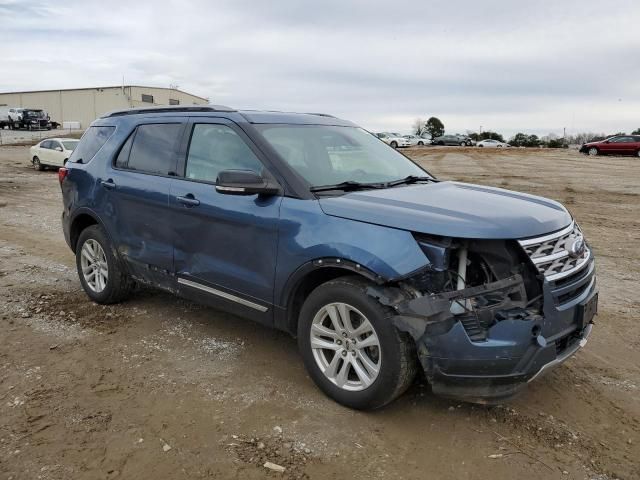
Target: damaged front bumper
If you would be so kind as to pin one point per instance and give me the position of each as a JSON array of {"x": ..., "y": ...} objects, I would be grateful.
[{"x": 489, "y": 353}]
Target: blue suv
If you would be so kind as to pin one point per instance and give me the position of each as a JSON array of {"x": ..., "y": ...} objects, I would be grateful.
[{"x": 312, "y": 225}]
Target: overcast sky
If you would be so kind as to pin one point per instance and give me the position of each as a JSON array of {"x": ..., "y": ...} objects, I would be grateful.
[{"x": 532, "y": 66}]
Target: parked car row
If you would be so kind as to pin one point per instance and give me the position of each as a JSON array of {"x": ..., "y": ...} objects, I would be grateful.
[{"x": 24, "y": 118}]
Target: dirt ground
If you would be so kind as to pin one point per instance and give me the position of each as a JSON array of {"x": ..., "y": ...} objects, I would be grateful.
[{"x": 161, "y": 388}]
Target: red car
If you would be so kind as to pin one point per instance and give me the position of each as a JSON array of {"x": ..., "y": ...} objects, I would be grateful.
[{"x": 618, "y": 145}]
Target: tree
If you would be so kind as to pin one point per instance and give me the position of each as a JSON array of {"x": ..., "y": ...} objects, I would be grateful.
[
  {"x": 418, "y": 127},
  {"x": 524, "y": 140},
  {"x": 434, "y": 127},
  {"x": 519, "y": 140},
  {"x": 636, "y": 132},
  {"x": 487, "y": 134}
]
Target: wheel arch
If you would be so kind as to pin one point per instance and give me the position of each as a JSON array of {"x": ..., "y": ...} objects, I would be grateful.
[
  {"x": 307, "y": 278},
  {"x": 81, "y": 220}
]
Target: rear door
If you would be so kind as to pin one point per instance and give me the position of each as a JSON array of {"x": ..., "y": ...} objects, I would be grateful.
[
  {"x": 136, "y": 188},
  {"x": 43, "y": 151},
  {"x": 56, "y": 154},
  {"x": 224, "y": 245}
]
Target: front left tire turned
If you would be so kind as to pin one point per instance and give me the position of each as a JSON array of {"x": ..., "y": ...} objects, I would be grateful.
[{"x": 351, "y": 348}]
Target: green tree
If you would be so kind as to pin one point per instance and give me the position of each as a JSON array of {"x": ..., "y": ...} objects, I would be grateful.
[
  {"x": 488, "y": 134},
  {"x": 519, "y": 140},
  {"x": 636, "y": 132},
  {"x": 434, "y": 127}
]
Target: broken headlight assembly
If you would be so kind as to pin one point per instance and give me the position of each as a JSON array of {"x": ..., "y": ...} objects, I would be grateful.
[{"x": 475, "y": 282}]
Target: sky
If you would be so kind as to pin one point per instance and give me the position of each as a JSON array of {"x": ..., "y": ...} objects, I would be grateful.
[{"x": 508, "y": 66}]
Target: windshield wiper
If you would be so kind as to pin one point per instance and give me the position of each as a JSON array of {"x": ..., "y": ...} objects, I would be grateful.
[
  {"x": 347, "y": 186},
  {"x": 409, "y": 180}
]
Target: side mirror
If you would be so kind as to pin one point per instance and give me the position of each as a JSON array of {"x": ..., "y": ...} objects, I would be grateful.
[
  {"x": 58, "y": 149},
  {"x": 244, "y": 182}
]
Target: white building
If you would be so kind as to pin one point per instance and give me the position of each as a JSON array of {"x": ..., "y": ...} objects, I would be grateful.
[{"x": 84, "y": 105}]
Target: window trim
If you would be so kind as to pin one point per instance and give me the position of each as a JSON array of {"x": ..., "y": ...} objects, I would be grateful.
[
  {"x": 176, "y": 147},
  {"x": 143, "y": 95}
]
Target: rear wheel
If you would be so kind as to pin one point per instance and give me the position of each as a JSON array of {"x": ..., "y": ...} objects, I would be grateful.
[
  {"x": 421, "y": 143},
  {"x": 350, "y": 347},
  {"x": 101, "y": 274},
  {"x": 463, "y": 144},
  {"x": 37, "y": 165},
  {"x": 593, "y": 151},
  {"x": 638, "y": 153}
]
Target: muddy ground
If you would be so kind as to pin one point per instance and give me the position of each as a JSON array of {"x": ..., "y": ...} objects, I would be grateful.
[{"x": 161, "y": 388}]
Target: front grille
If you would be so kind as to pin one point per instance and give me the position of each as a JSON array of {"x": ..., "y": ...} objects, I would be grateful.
[{"x": 551, "y": 253}]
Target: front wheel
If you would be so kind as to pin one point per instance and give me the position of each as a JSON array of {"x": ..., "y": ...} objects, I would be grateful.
[
  {"x": 421, "y": 144},
  {"x": 101, "y": 274},
  {"x": 350, "y": 347},
  {"x": 393, "y": 145},
  {"x": 593, "y": 151},
  {"x": 463, "y": 144}
]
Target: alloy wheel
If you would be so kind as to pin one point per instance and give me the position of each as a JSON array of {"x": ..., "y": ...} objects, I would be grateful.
[
  {"x": 593, "y": 151},
  {"x": 94, "y": 265},
  {"x": 345, "y": 347}
]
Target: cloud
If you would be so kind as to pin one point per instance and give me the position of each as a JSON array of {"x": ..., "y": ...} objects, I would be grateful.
[{"x": 508, "y": 66}]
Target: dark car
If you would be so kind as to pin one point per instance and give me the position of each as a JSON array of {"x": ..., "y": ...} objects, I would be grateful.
[
  {"x": 460, "y": 140},
  {"x": 309, "y": 224},
  {"x": 617, "y": 145}
]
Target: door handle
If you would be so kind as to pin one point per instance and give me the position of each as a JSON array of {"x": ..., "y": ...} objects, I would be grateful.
[
  {"x": 188, "y": 200},
  {"x": 108, "y": 184}
]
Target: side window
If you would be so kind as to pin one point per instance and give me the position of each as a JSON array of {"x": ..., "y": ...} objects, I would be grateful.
[
  {"x": 92, "y": 141},
  {"x": 46, "y": 144},
  {"x": 123, "y": 157},
  {"x": 54, "y": 145},
  {"x": 214, "y": 148},
  {"x": 152, "y": 149}
]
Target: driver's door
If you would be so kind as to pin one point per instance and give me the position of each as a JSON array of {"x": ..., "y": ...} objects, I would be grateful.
[{"x": 224, "y": 246}]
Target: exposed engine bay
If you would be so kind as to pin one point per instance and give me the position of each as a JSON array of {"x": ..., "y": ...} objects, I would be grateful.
[{"x": 475, "y": 282}]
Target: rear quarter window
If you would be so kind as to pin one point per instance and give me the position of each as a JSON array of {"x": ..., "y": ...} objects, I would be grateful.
[{"x": 92, "y": 141}]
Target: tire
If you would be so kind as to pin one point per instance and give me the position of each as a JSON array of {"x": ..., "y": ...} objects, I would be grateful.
[
  {"x": 393, "y": 144},
  {"x": 593, "y": 151},
  {"x": 463, "y": 144},
  {"x": 421, "y": 144},
  {"x": 94, "y": 252},
  {"x": 480, "y": 146},
  {"x": 638, "y": 153},
  {"x": 64, "y": 162},
  {"x": 37, "y": 165},
  {"x": 392, "y": 352}
]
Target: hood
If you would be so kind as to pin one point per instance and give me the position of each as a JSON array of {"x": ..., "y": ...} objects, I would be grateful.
[{"x": 452, "y": 209}]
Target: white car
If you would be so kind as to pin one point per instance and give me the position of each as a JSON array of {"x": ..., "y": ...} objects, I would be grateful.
[
  {"x": 416, "y": 140},
  {"x": 492, "y": 143},
  {"x": 394, "y": 140},
  {"x": 52, "y": 152}
]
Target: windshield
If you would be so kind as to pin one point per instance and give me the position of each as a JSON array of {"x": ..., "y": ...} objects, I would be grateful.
[
  {"x": 34, "y": 113},
  {"x": 70, "y": 144},
  {"x": 328, "y": 155}
]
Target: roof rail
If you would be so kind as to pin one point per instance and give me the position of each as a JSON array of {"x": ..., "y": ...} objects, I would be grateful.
[
  {"x": 321, "y": 114},
  {"x": 169, "y": 109}
]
